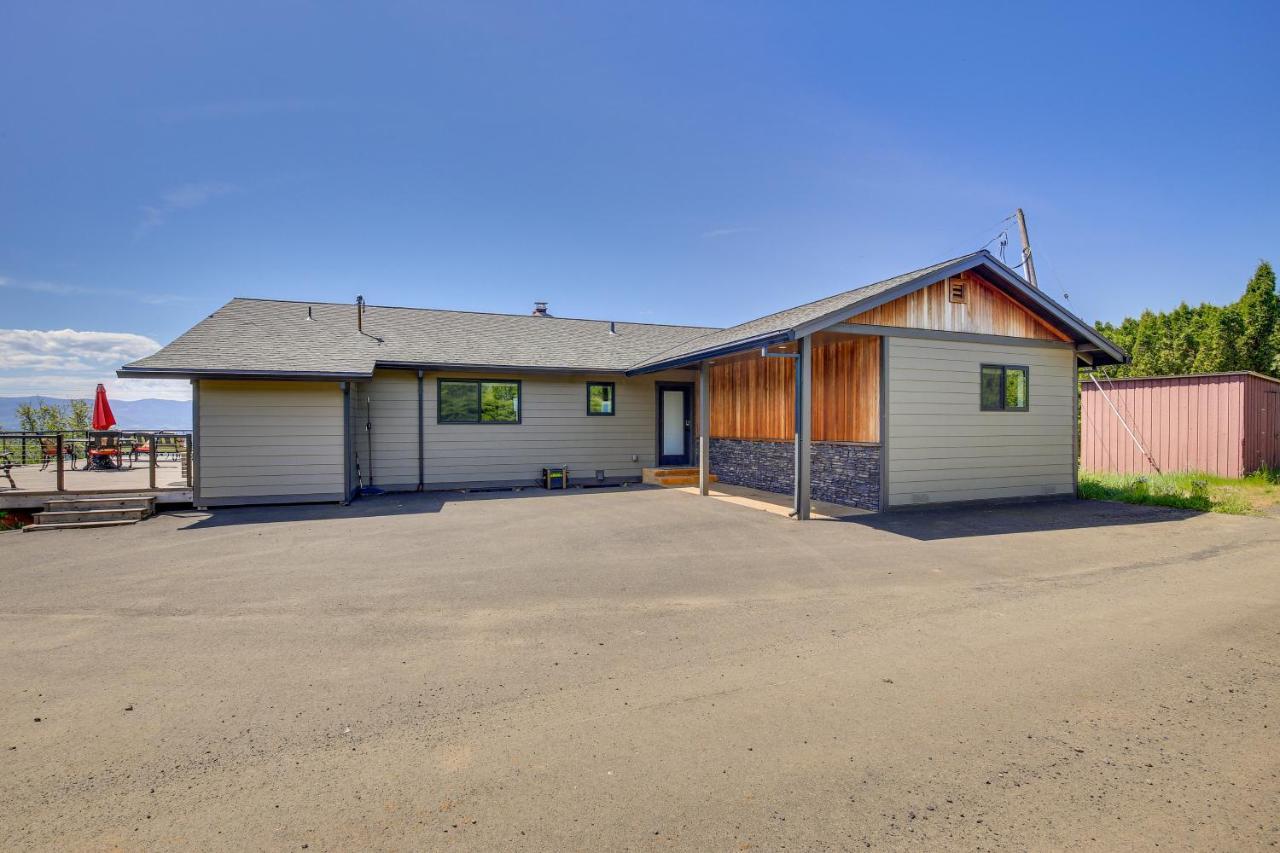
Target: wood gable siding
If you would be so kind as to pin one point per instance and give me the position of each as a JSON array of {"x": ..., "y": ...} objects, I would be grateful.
[
  {"x": 754, "y": 397},
  {"x": 986, "y": 310}
]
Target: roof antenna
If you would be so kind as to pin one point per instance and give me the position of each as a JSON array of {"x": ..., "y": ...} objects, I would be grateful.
[{"x": 1029, "y": 266}]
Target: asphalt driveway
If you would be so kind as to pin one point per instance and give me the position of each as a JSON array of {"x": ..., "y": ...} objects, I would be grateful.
[{"x": 641, "y": 670}]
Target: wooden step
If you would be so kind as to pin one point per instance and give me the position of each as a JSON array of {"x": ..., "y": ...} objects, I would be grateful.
[
  {"x": 82, "y": 504},
  {"x": 32, "y": 528},
  {"x": 683, "y": 480},
  {"x": 659, "y": 476},
  {"x": 135, "y": 513}
]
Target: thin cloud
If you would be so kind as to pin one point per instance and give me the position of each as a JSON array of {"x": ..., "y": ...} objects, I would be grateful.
[
  {"x": 64, "y": 289},
  {"x": 179, "y": 199},
  {"x": 82, "y": 388},
  {"x": 71, "y": 362},
  {"x": 725, "y": 232}
]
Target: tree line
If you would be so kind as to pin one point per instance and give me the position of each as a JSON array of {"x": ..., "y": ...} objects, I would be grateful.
[
  {"x": 52, "y": 417},
  {"x": 1244, "y": 335}
]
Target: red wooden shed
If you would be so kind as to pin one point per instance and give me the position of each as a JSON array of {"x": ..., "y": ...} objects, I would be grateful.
[{"x": 1226, "y": 424}]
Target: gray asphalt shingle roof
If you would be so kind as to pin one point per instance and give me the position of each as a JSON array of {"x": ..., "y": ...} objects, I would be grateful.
[{"x": 264, "y": 336}]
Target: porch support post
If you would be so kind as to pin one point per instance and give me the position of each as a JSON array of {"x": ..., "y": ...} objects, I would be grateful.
[
  {"x": 704, "y": 428},
  {"x": 61, "y": 475},
  {"x": 804, "y": 424},
  {"x": 151, "y": 461}
]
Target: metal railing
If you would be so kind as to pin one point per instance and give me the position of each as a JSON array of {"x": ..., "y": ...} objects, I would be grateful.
[{"x": 65, "y": 449}]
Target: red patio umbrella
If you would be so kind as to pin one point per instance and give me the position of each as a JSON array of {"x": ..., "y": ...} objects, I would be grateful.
[{"x": 103, "y": 419}]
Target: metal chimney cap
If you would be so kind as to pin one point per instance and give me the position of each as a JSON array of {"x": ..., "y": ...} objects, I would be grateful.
[{"x": 540, "y": 309}]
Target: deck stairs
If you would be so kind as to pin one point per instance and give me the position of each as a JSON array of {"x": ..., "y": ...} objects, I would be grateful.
[
  {"x": 673, "y": 477},
  {"x": 68, "y": 513}
]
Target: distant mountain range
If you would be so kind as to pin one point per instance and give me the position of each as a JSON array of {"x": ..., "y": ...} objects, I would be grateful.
[{"x": 130, "y": 414}]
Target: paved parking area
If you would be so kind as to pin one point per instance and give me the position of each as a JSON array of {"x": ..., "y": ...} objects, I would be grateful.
[{"x": 641, "y": 670}]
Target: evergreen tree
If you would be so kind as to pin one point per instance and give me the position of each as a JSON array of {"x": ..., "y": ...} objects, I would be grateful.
[
  {"x": 1206, "y": 339},
  {"x": 1260, "y": 314}
]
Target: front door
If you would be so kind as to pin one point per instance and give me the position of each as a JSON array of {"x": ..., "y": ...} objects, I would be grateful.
[{"x": 675, "y": 424}]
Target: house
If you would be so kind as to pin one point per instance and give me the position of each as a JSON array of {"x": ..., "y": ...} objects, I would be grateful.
[
  {"x": 1225, "y": 424},
  {"x": 955, "y": 382}
]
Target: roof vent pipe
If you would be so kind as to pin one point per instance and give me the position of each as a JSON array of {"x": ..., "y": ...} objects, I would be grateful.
[
  {"x": 540, "y": 309},
  {"x": 359, "y": 313},
  {"x": 309, "y": 316},
  {"x": 612, "y": 329}
]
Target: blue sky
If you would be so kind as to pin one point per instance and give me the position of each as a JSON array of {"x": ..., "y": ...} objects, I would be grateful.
[{"x": 685, "y": 162}]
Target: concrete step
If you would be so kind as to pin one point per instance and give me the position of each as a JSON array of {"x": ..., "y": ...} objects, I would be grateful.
[
  {"x": 32, "y": 528},
  {"x": 75, "y": 516},
  {"x": 83, "y": 504}
]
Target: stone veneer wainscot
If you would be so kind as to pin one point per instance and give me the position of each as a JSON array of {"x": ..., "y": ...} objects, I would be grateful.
[{"x": 840, "y": 472}]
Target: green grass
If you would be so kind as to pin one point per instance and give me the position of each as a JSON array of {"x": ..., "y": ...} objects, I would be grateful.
[{"x": 1253, "y": 495}]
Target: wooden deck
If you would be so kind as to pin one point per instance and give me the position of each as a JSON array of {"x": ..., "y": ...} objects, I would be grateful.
[{"x": 34, "y": 486}]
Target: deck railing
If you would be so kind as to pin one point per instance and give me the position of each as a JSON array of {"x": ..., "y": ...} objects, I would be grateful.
[{"x": 66, "y": 449}]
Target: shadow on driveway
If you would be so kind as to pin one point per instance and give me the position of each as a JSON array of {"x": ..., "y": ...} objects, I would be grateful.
[
  {"x": 996, "y": 520},
  {"x": 374, "y": 506}
]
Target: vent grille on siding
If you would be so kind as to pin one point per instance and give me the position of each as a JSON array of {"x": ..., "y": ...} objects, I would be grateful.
[{"x": 957, "y": 292}]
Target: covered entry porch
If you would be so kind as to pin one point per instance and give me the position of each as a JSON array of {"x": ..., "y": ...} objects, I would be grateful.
[{"x": 802, "y": 417}]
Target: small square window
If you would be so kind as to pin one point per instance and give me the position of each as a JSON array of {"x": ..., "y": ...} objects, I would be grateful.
[
  {"x": 1005, "y": 388},
  {"x": 957, "y": 292},
  {"x": 600, "y": 398}
]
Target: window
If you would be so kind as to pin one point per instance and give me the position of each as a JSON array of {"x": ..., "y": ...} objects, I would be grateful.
[
  {"x": 478, "y": 401},
  {"x": 600, "y": 398},
  {"x": 1005, "y": 388},
  {"x": 956, "y": 292}
]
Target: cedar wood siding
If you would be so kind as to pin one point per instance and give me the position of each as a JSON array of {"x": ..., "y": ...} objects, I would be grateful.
[
  {"x": 555, "y": 429},
  {"x": 943, "y": 448},
  {"x": 263, "y": 442},
  {"x": 985, "y": 311},
  {"x": 753, "y": 397}
]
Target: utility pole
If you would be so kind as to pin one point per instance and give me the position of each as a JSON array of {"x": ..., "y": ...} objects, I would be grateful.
[{"x": 1028, "y": 266}]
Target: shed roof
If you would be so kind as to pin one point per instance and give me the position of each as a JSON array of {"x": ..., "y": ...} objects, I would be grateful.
[{"x": 1225, "y": 374}]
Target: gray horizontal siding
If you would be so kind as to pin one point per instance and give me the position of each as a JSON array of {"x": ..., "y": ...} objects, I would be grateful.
[
  {"x": 392, "y": 450},
  {"x": 943, "y": 448},
  {"x": 554, "y": 430},
  {"x": 260, "y": 440}
]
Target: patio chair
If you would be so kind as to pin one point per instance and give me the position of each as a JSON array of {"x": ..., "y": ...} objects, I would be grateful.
[
  {"x": 6, "y": 468},
  {"x": 49, "y": 452},
  {"x": 144, "y": 446}
]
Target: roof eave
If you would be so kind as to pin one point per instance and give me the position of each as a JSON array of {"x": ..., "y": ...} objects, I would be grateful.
[
  {"x": 218, "y": 373},
  {"x": 511, "y": 368},
  {"x": 692, "y": 358},
  {"x": 1080, "y": 329}
]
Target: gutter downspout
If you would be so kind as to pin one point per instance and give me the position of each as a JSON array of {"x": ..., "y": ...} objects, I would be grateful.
[
  {"x": 348, "y": 443},
  {"x": 421, "y": 458}
]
